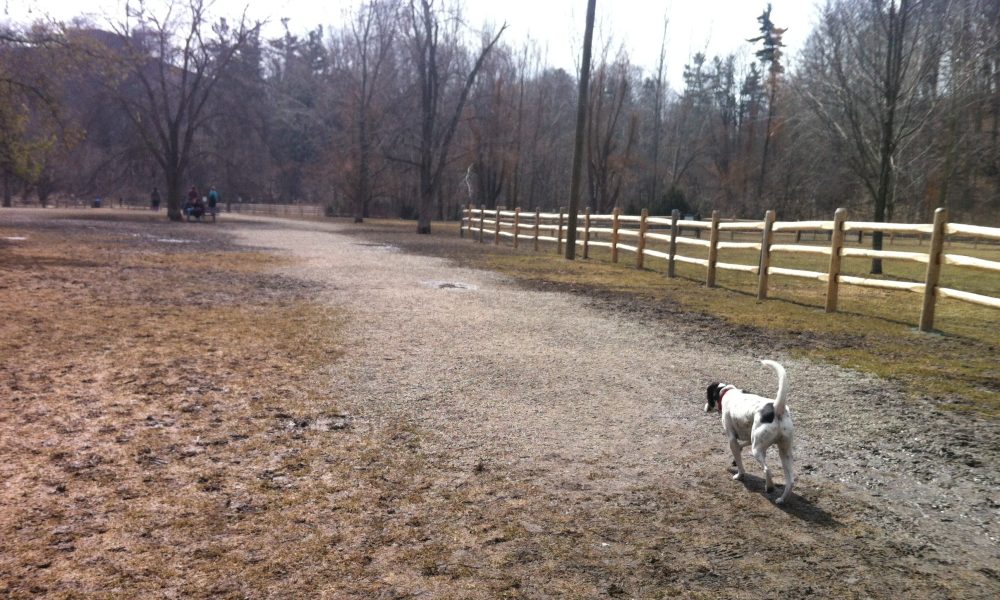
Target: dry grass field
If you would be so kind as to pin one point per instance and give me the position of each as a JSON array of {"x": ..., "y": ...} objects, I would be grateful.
[
  {"x": 168, "y": 429},
  {"x": 146, "y": 381}
]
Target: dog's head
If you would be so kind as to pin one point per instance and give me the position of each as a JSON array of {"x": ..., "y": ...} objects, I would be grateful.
[{"x": 713, "y": 396}]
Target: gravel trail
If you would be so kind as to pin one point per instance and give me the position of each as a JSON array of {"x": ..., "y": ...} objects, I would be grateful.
[{"x": 559, "y": 392}]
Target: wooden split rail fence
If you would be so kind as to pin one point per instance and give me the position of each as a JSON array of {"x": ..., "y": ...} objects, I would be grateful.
[
  {"x": 278, "y": 210},
  {"x": 631, "y": 233}
]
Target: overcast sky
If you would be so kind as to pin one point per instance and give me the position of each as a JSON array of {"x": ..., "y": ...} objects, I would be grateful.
[{"x": 713, "y": 26}]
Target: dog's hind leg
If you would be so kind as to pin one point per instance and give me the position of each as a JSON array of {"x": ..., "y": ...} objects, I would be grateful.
[
  {"x": 760, "y": 453},
  {"x": 785, "y": 452},
  {"x": 737, "y": 450}
]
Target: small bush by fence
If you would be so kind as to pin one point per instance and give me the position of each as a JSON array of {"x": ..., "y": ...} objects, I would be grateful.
[{"x": 637, "y": 234}]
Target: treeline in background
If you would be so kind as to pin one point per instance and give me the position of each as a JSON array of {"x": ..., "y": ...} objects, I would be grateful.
[{"x": 892, "y": 109}]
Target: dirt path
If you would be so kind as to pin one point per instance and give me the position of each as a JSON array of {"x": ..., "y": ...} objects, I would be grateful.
[{"x": 562, "y": 449}]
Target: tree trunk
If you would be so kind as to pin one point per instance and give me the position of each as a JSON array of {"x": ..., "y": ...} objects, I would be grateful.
[
  {"x": 767, "y": 139},
  {"x": 174, "y": 193},
  {"x": 7, "y": 195},
  {"x": 515, "y": 187},
  {"x": 364, "y": 173},
  {"x": 435, "y": 142},
  {"x": 654, "y": 190},
  {"x": 583, "y": 97},
  {"x": 893, "y": 83},
  {"x": 425, "y": 203}
]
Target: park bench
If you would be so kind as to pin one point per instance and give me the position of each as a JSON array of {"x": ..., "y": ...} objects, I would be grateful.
[{"x": 205, "y": 213}]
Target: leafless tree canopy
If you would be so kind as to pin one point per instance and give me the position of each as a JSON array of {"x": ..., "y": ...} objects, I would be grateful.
[{"x": 409, "y": 110}]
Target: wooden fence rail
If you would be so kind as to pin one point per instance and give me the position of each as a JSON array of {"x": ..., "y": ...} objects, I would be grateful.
[
  {"x": 631, "y": 233},
  {"x": 279, "y": 210}
]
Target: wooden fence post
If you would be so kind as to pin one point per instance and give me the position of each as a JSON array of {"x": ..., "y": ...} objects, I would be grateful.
[
  {"x": 559, "y": 234},
  {"x": 675, "y": 215},
  {"x": 586, "y": 232},
  {"x": 765, "y": 255},
  {"x": 641, "y": 246},
  {"x": 614, "y": 234},
  {"x": 482, "y": 220},
  {"x": 496, "y": 236},
  {"x": 836, "y": 245},
  {"x": 538, "y": 221},
  {"x": 713, "y": 249},
  {"x": 933, "y": 269},
  {"x": 517, "y": 225}
]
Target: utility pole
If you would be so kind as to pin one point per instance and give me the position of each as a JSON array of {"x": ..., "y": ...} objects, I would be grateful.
[{"x": 581, "y": 123}]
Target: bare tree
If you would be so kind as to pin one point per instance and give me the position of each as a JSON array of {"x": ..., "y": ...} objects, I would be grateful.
[
  {"x": 30, "y": 121},
  {"x": 370, "y": 40},
  {"x": 168, "y": 69},
  {"x": 958, "y": 147},
  {"x": 689, "y": 123},
  {"x": 548, "y": 136},
  {"x": 437, "y": 127},
  {"x": 404, "y": 110},
  {"x": 658, "y": 102},
  {"x": 611, "y": 132},
  {"x": 494, "y": 127},
  {"x": 865, "y": 78}
]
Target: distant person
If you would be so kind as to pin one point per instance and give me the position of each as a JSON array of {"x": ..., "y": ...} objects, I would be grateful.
[
  {"x": 196, "y": 209},
  {"x": 213, "y": 200},
  {"x": 192, "y": 197},
  {"x": 154, "y": 199}
]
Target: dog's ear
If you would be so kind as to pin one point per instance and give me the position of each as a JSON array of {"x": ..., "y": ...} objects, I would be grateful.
[{"x": 713, "y": 396}]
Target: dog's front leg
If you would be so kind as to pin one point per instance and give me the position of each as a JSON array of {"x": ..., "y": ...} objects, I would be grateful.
[{"x": 737, "y": 450}]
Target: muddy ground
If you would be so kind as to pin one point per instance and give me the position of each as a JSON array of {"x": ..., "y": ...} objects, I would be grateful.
[{"x": 276, "y": 409}]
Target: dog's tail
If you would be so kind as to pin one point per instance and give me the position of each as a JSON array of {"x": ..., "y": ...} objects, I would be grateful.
[{"x": 779, "y": 401}]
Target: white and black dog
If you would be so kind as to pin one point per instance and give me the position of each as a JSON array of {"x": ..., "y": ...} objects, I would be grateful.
[{"x": 758, "y": 422}]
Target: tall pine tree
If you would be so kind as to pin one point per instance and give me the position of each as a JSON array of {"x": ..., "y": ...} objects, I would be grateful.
[{"x": 770, "y": 56}]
